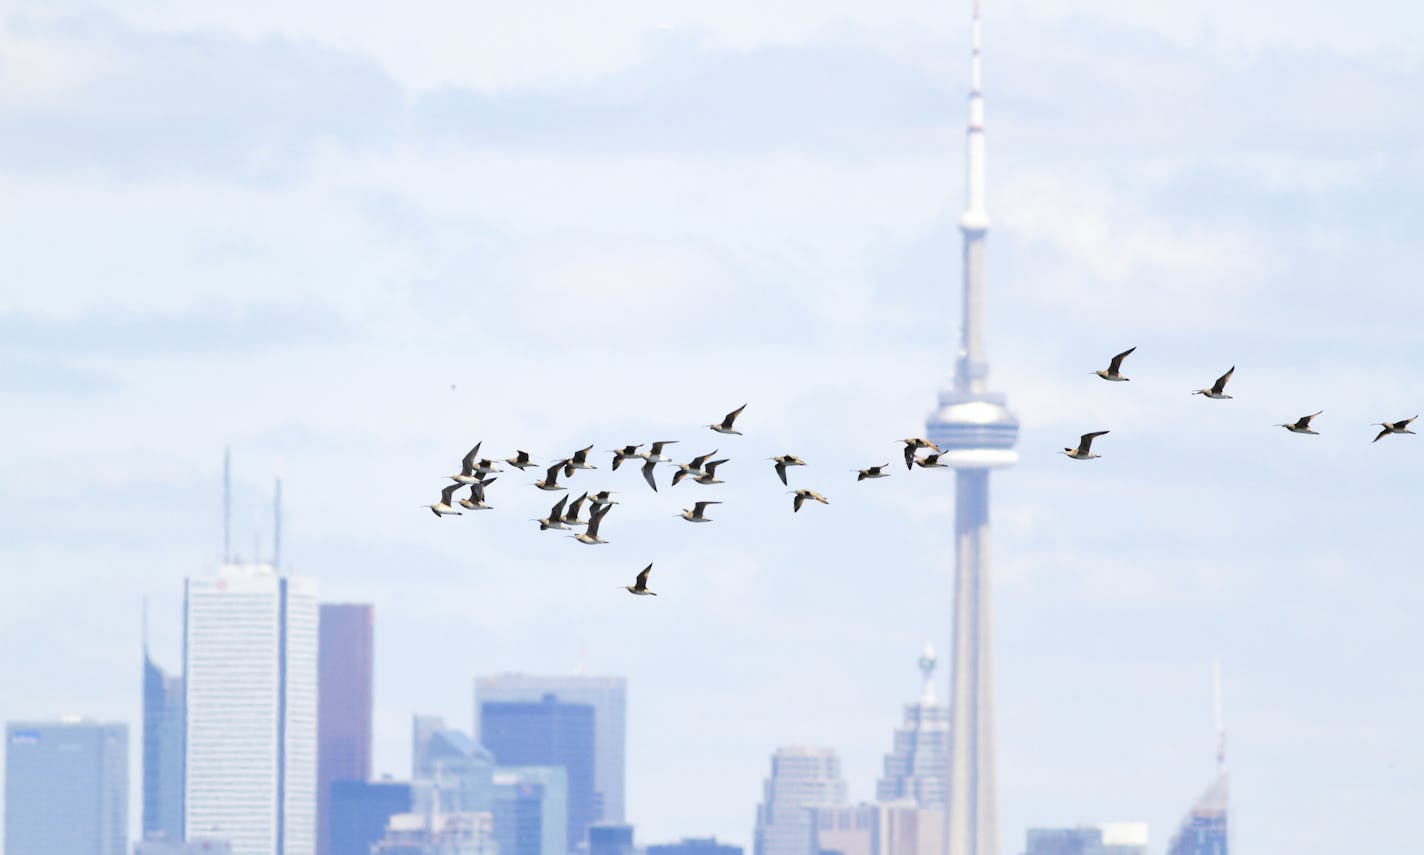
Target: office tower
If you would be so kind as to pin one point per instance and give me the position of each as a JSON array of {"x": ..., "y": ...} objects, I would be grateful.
[
  {"x": 531, "y": 810},
  {"x": 609, "y": 698},
  {"x": 547, "y": 732},
  {"x": 202, "y": 846},
  {"x": 456, "y": 767},
  {"x": 895, "y": 828},
  {"x": 438, "y": 834},
  {"x": 607, "y": 838},
  {"x": 917, "y": 767},
  {"x": 66, "y": 788},
  {"x": 359, "y": 811},
  {"x": 977, "y": 432},
  {"x": 250, "y": 647},
  {"x": 1112, "y": 838},
  {"x": 344, "y": 667},
  {"x": 1205, "y": 829},
  {"x": 162, "y": 752},
  {"x": 694, "y": 846},
  {"x": 801, "y": 779}
]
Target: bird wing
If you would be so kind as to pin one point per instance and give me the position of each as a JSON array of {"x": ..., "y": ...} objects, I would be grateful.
[
  {"x": 731, "y": 417},
  {"x": 680, "y": 474},
  {"x": 581, "y": 456},
  {"x": 699, "y": 507},
  {"x": 1116, "y": 364},
  {"x": 909, "y": 455},
  {"x": 648, "y": 474},
  {"x": 698, "y": 461},
  {"x": 1085, "y": 441},
  {"x": 797, "y": 502},
  {"x": 521, "y": 456},
  {"x": 557, "y": 511},
  {"x": 595, "y": 518},
  {"x": 617, "y": 459},
  {"x": 576, "y": 507},
  {"x": 1305, "y": 420},
  {"x": 1220, "y": 383},
  {"x": 551, "y": 477},
  {"x": 642, "y": 583},
  {"x": 1380, "y": 435},
  {"x": 711, "y": 468},
  {"x": 568, "y": 468},
  {"x": 781, "y": 471},
  {"x": 1404, "y": 423},
  {"x": 449, "y": 491},
  {"x": 467, "y": 466}
]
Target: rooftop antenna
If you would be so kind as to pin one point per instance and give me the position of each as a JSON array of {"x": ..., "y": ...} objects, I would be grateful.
[
  {"x": 1220, "y": 723},
  {"x": 227, "y": 505},
  {"x": 277, "y": 528}
]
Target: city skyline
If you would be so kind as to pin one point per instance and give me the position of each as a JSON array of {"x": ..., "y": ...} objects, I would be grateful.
[{"x": 257, "y": 226}]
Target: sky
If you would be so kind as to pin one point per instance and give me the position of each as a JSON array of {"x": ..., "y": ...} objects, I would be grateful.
[{"x": 350, "y": 243}]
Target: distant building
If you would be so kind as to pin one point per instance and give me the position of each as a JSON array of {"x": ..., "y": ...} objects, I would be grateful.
[
  {"x": 438, "y": 834},
  {"x": 456, "y": 767},
  {"x": 162, "y": 752},
  {"x": 531, "y": 810},
  {"x": 179, "y": 847},
  {"x": 605, "y": 838},
  {"x": 359, "y": 810},
  {"x": 917, "y": 767},
  {"x": 801, "y": 779},
  {"x": 250, "y": 666},
  {"x": 548, "y": 732},
  {"x": 694, "y": 846},
  {"x": 345, "y": 651},
  {"x": 1115, "y": 838},
  {"x": 609, "y": 698},
  {"x": 66, "y": 788},
  {"x": 1204, "y": 830},
  {"x": 897, "y": 828}
]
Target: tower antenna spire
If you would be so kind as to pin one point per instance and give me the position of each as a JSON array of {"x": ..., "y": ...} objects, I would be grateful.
[
  {"x": 227, "y": 505},
  {"x": 1220, "y": 721},
  {"x": 277, "y": 528}
]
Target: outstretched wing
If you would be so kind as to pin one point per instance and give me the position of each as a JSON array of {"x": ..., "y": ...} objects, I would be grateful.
[
  {"x": 551, "y": 477},
  {"x": 1220, "y": 385},
  {"x": 642, "y": 583},
  {"x": 467, "y": 466},
  {"x": 909, "y": 456},
  {"x": 1116, "y": 364},
  {"x": 781, "y": 471},
  {"x": 448, "y": 492},
  {"x": 1085, "y": 441},
  {"x": 648, "y": 474},
  {"x": 731, "y": 417}
]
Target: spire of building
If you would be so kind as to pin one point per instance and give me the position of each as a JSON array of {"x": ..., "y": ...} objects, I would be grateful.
[
  {"x": 1220, "y": 721},
  {"x": 916, "y": 769},
  {"x": 927, "y": 663},
  {"x": 972, "y": 368}
]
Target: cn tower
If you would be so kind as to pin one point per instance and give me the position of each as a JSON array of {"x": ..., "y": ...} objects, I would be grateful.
[{"x": 977, "y": 432}]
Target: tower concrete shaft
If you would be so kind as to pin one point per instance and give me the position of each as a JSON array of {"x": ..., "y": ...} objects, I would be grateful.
[{"x": 977, "y": 432}]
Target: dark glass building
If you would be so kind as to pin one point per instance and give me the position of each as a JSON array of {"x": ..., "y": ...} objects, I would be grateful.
[
  {"x": 162, "y": 753},
  {"x": 344, "y": 664},
  {"x": 695, "y": 846},
  {"x": 610, "y": 839},
  {"x": 358, "y": 812},
  {"x": 66, "y": 788},
  {"x": 1204, "y": 830},
  {"x": 547, "y": 732}
]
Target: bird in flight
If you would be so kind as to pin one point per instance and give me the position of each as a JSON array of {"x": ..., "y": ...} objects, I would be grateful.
[
  {"x": 1401, "y": 426},
  {"x": 1114, "y": 371},
  {"x": 930, "y": 461},
  {"x": 550, "y": 481},
  {"x": 872, "y": 472},
  {"x": 467, "y": 467},
  {"x": 442, "y": 507},
  {"x": 571, "y": 516},
  {"x": 648, "y": 474},
  {"x": 784, "y": 461},
  {"x": 1302, "y": 425},
  {"x": 555, "y": 519},
  {"x": 627, "y": 452},
  {"x": 692, "y": 467},
  {"x": 580, "y": 460},
  {"x": 590, "y": 534},
  {"x": 726, "y": 425},
  {"x": 602, "y": 497},
  {"x": 1085, "y": 445},
  {"x": 640, "y": 587},
  {"x": 1218, "y": 389},
  {"x": 912, "y": 444},
  {"x": 696, "y": 514},
  {"x": 476, "y": 501},
  {"x": 520, "y": 460},
  {"x": 803, "y": 495},
  {"x": 709, "y": 473}
]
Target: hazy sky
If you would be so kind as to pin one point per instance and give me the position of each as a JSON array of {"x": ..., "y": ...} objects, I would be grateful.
[{"x": 291, "y": 227}]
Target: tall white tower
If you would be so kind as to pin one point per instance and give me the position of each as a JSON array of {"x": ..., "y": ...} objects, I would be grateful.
[
  {"x": 249, "y": 663},
  {"x": 977, "y": 432}
]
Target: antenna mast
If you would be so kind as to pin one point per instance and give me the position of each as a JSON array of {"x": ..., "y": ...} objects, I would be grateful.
[
  {"x": 227, "y": 505},
  {"x": 277, "y": 528},
  {"x": 1220, "y": 722}
]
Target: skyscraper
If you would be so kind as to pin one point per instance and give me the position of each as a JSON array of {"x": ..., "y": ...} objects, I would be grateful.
[
  {"x": 531, "y": 810},
  {"x": 977, "y": 432},
  {"x": 1205, "y": 830},
  {"x": 359, "y": 811},
  {"x": 1112, "y": 838},
  {"x": 916, "y": 769},
  {"x": 66, "y": 788},
  {"x": 458, "y": 769},
  {"x": 345, "y": 650},
  {"x": 548, "y": 732},
  {"x": 606, "y": 838},
  {"x": 249, "y": 661},
  {"x": 609, "y": 698},
  {"x": 162, "y": 752},
  {"x": 802, "y": 779}
]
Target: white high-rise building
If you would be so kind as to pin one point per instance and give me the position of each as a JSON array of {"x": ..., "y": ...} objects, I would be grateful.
[
  {"x": 917, "y": 768},
  {"x": 249, "y": 662},
  {"x": 802, "y": 780}
]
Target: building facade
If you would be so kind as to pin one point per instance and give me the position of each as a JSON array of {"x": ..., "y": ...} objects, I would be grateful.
[
  {"x": 181, "y": 847},
  {"x": 450, "y": 766},
  {"x": 548, "y": 732},
  {"x": 250, "y": 673},
  {"x": 607, "y": 838},
  {"x": 66, "y": 788},
  {"x": 609, "y": 698},
  {"x": 898, "y": 828},
  {"x": 802, "y": 780},
  {"x": 531, "y": 810},
  {"x": 694, "y": 846},
  {"x": 162, "y": 752},
  {"x": 438, "y": 834},
  {"x": 1204, "y": 831},
  {"x": 345, "y": 661},
  {"x": 1115, "y": 838},
  {"x": 359, "y": 811},
  {"x": 917, "y": 767}
]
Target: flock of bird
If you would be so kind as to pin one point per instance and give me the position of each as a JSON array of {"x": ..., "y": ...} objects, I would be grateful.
[
  {"x": 1217, "y": 391},
  {"x": 478, "y": 473}
]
